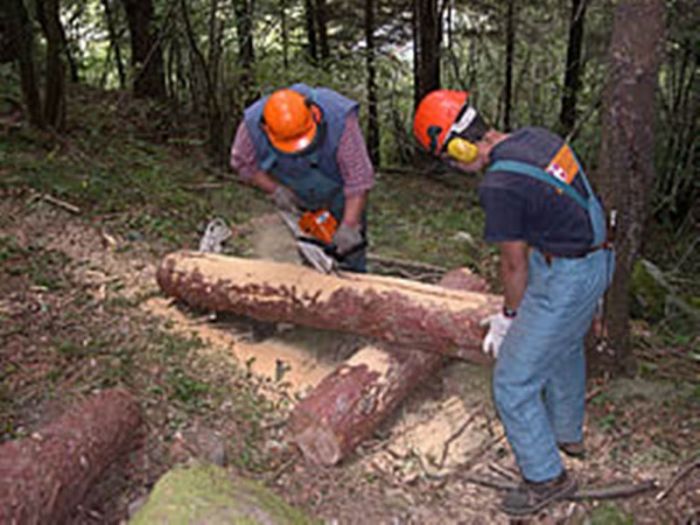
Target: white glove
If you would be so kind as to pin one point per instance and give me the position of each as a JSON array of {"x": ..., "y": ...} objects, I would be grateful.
[
  {"x": 498, "y": 328},
  {"x": 285, "y": 199}
]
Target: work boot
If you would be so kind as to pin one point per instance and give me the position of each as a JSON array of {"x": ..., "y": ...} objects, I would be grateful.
[
  {"x": 531, "y": 497},
  {"x": 573, "y": 450}
]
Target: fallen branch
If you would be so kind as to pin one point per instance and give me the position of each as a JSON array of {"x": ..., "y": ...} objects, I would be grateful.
[
  {"x": 59, "y": 203},
  {"x": 679, "y": 476}
]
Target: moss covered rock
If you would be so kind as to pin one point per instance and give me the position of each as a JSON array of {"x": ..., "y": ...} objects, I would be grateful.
[{"x": 205, "y": 494}]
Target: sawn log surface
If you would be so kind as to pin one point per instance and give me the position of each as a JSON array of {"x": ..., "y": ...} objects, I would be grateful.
[{"x": 410, "y": 314}]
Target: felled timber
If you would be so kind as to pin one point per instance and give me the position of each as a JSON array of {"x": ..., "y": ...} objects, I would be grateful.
[
  {"x": 347, "y": 406},
  {"x": 407, "y": 313},
  {"x": 44, "y": 476}
]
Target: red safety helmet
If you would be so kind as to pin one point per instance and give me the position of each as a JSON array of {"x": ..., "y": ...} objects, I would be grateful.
[
  {"x": 436, "y": 114},
  {"x": 290, "y": 121}
]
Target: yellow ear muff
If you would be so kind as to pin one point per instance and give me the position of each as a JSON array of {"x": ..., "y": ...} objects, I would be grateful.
[{"x": 462, "y": 150}]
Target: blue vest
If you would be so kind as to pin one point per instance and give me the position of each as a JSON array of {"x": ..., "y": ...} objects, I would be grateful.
[{"x": 313, "y": 175}]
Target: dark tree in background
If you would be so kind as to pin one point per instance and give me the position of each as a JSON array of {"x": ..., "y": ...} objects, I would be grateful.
[
  {"x": 55, "y": 98},
  {"x": 572, "y": 76},
  {"x": 310, "y": 16},
  {"x": 427, "y": 33},
  {"x": 246, "y": 49},
  {"x": 510, "y": 51},
  {"x": 146, "y": 54},
  {"x": 22, "y": 37},
  {"x": 114, "y": 41},
  {"x": 322, "y": 25},
  {"x": 625, "y": 173},
  {"x": 372, "y": 110}
]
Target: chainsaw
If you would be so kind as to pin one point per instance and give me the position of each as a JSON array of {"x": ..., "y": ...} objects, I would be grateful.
[{"x": 313, "y": 231}]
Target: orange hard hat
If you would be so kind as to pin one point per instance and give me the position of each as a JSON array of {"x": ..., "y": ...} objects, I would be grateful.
[
  {"x": 289, "y": 121},
  {"x": 435, "y": 115}
]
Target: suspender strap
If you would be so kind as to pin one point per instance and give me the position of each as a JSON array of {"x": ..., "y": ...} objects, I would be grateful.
[{"x": 515, "y": 166}]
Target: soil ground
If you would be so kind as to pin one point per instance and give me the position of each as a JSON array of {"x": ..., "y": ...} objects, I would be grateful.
[{"x": 84, "y": 313}]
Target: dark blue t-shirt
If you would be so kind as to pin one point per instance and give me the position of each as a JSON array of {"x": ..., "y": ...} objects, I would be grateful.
[{"x": 519, "y": 207}]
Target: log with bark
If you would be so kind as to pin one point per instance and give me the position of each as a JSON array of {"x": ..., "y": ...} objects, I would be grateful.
[
  {"x": 348, "y": 405},
  {"x": 44, "y": 476},
  {"x": 409, "y": 314}
]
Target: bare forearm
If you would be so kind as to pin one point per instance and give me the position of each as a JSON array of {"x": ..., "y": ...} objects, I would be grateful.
[
  {"x": 352, "y": 215},
  {"x": 263, "y": 181},
  {"x": 514, "y": 269}
]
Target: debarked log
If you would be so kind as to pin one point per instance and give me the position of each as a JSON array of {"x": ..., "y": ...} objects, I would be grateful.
[
  {"x": 43, "y": 477},
  {"x": 347, "y": 406},
  {"x": 410, "y": 314}
]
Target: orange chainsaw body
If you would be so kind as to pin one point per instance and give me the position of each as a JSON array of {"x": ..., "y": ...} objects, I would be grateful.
[{"x": 319, "y": 224}]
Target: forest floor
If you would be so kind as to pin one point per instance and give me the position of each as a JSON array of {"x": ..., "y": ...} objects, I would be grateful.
[{"x": 85, "y": 219}]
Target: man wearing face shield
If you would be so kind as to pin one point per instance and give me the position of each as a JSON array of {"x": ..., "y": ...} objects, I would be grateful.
[
  {"x": 555, "y": 264},
  {"x": 304, "y": 148}
]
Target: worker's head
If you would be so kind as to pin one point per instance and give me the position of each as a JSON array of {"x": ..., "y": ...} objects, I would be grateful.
[
  {"x": 290, "y": 121},
  {"x": 447, "y": 126}
]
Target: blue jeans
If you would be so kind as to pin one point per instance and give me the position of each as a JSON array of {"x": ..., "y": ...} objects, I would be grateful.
[{"x": 540, "y": 376}]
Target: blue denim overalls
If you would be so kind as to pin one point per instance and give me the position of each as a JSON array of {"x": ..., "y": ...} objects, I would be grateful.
[{"x": 540, "y": 376}]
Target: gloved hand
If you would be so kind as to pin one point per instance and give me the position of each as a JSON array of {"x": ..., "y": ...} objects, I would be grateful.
[
  {"x": 498, "y": 328},
  {"x": 285, "y": 199},
  {"x": 346, "y": 238}
]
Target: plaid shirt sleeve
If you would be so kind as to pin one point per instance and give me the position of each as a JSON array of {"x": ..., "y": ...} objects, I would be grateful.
[
  {"x": 243, "y": 157},
  {"x": 353, "y": 159}
]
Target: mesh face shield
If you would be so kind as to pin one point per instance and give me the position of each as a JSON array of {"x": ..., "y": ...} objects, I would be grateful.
[{"x": 469, "y": 125}]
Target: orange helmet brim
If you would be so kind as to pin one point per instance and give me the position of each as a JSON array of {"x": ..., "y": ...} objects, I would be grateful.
[{"x": 295, "y": 144}]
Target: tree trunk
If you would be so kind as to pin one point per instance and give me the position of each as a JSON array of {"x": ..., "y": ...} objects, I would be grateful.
[
  {"x": 46, "y": 475},
  {"x": 510, "y": 52},
  {"x": 246, "y": 49},
  {"x": 310, "y": 16},
  {"x": 322, "y": 25},
  {"x": 23, "y": 39},
  {"x": 55, "y": 98},
  {"x": 427, "y": 36},
  {"x": 146, "y": 54},
  {"x": 285, "y": 34},
  {"x": 349, "y": 404},
  {"x": 416, "y": 315},
  {"x": 114, "y": 42},
  {"x": 373, "y": 135},
  {"x": 567, "y": 117},
  {"x": 626, "y": 165}
]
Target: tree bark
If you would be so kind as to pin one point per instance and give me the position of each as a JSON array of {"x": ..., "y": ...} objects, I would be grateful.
[
  {"x": 146, "y": 54},
  {"x": 44, "y": 476},
  {"x": 23, "y": 39},
  {"x": 416, "y": 315},
  {"x": 285, "y": 34},
  {"x": 567, "y": 118},
  {"x": 427, "y": 36},
  {"x": 322, "y": 25},
  {"x": 246, "y": 49},
  {"x": 348, "y": 405},
  {"x": 310, "y": 17},
  {"x": 510, "y": 52},
  {"x": 625, "y": 171},
  {"x": 373, "y": 136},
  {"x": 55, "y": 97}
]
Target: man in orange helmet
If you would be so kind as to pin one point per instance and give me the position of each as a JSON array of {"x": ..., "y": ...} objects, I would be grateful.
[
  {"x": 303, "y": 147},
  {"x": 555, "y": 266}
]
